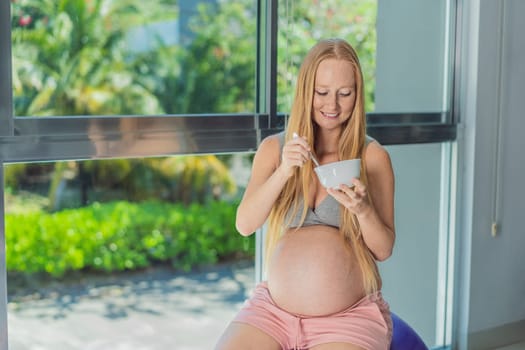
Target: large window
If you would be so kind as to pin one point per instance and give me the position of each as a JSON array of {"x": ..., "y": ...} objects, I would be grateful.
[
  {"x": 138, "y": 112},
  {"x": 100, "y": 247},
  {"x": 100, "y": 57}
]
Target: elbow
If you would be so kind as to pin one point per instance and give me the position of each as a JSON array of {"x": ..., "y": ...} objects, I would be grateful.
[
  {"x": 383, "y": 254},
  {"x": 244, "y": 228},
  {"x": 244, "y": 223}
]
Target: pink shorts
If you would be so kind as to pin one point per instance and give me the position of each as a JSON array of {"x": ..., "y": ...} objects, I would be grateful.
[{"x": 367, "y": 323}]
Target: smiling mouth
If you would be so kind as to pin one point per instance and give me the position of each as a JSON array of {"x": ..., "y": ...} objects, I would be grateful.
[{"x": 330, "y": 115}]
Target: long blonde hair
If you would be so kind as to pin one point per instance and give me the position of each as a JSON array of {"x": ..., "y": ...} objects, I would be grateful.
[{"x": 351, "y": 145}]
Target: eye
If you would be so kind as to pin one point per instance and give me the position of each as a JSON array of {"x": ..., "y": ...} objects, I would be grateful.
[
  {"x": 321, "y": 93},
  {"x": 345, "y": 93}
]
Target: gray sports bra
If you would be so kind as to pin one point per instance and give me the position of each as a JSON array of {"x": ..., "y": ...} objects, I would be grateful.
[{"x": 327, "y": 211}]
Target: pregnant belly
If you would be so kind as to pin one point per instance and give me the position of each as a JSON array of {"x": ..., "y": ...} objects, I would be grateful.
[{"x": 311, "y": 272}]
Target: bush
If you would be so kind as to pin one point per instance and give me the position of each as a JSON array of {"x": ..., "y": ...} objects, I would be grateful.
[{"x": 123, "y": 236}]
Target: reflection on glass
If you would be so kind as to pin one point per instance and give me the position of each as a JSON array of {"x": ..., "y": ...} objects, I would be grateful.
[
  {"x": 97, "y": 57},
  {"x": 96, "y": 248}
]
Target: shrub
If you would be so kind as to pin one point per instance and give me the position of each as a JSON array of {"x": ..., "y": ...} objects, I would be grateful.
[{"x": 123, "y": 236}]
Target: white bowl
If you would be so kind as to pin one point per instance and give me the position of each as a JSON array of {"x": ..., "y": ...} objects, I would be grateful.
[{"x": 332, "y": 175}]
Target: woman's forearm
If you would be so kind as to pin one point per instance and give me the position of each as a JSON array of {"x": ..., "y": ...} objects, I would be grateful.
[
  {"x": 377, "y": 235},
  {"x": 256, "y": 204}
]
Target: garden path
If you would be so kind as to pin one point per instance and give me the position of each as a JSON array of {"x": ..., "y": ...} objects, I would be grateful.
[{"x": 154, "y": 309}]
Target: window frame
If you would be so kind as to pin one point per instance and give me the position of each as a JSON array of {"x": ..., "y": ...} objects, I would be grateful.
[
  {"x": 63, "y": 138},
  {"x": 31, "y": 139}
]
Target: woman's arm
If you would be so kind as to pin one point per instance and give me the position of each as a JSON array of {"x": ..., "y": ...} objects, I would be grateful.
[
  {"x": 377, "y": 220},
  {"x": 268, "y": 177},
  {"x": 376, "y": 217}
]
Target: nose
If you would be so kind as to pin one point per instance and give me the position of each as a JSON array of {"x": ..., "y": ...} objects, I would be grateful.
[{"x": 332, "y": 101}]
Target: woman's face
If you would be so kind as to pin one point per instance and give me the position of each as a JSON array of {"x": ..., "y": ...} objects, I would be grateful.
[{"x": 334, "y": 93}]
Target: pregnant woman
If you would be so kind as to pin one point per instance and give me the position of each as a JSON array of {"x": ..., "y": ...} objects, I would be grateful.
[{"x": 322, "y": 289}]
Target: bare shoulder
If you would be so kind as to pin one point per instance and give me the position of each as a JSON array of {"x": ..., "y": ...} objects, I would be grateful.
[
  {"x": 269, "y": 150},
  {"x": 377, "y": 158},
  {"x": 381, "y": 179},
  {"x": 271, "y": 142}
]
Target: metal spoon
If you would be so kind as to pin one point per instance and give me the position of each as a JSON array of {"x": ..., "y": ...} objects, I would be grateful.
[{"x": 311, "y": 154}]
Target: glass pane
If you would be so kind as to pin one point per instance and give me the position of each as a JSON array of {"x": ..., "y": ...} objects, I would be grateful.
[
  {"x": 98, "y": 248},
  {"x": 303, "y": 22},
  {"x": 404, "y": 48},
  {"x": 412, "y": 276},
  {"x": 414, "y": 47},
  {"x": 75, "y": 57}
]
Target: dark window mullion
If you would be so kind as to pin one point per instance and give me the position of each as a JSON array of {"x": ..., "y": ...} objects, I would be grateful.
[
  {"x": 6, "y": 86},
  {"x": 267, "y": 61}
]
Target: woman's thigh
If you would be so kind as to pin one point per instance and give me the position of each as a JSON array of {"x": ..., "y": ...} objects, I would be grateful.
[
  {"x": 242, "y": 336},
  {"x": 336, "y": 346}
]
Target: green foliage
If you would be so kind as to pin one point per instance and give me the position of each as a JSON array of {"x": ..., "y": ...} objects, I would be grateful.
[
  {"x": 224, "y": 43},
  {"x": 122, "y": 236},
  {"x": 215, "y": 72},
  {"x": 193, "y": 179},
  {"x": 12, "y": 174},
  {"x": 72, "y": 184},
  {"x": 24, "y": 201},
  {"x": 18, "y": 175},
  {"x": 302, "y": 24},
  {"x": 70, "y": 58},
  {"x": 185, "y": 179}
]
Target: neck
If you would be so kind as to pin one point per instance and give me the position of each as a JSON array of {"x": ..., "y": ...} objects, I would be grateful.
[{"x": 327, "y": 142}]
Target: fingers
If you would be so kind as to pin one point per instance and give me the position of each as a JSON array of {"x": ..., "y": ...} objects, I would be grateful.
[
  {"x": 295, "y": 152},
  {"x": 301, "y": 141},
  {"x": 359, "y": 187},
  {"x": 353, "y": 198}
]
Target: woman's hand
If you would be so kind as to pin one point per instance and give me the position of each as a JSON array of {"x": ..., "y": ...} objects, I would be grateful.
[
  {"x": 373, "y": 204},
  {"x": 353, "y": 198},
  {"x": 294, "y": 154}
]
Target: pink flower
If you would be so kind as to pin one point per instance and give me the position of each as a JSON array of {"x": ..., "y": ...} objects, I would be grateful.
[{"x": 25, "y": 20}]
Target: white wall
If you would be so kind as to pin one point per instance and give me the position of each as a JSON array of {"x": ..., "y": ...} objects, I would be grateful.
[{"x": 491, "y": 294}]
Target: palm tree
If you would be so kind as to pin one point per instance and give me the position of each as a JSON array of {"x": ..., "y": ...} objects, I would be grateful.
[{"x": 71, "y": 60}]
